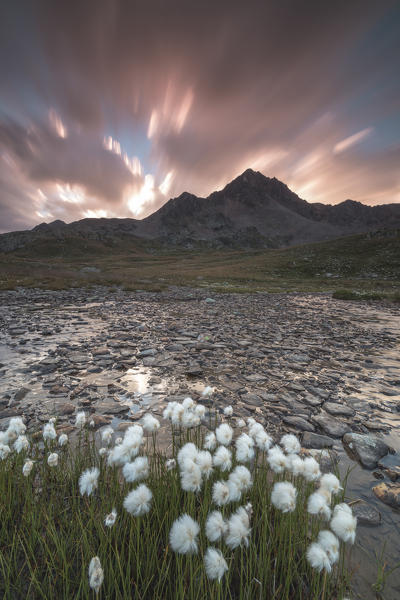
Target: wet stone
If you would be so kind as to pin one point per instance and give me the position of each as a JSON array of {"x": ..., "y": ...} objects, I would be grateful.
[
  {"x": 367, "y": 449},
  {"x": 315, "y": 440},
  {"x": 335, "y": 408},
  {"x": 389, "y": 493},
  {"x": 298, "y": 423},
  {"x": 366, "y": 514},
  {"x": 332, "y": 427}
]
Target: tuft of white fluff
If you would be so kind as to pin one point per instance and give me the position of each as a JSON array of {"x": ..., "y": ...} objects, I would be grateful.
[
  {"x": 210, "y": 441},
  {"x": 329, "y": 542},
  {"x": 103, "y": 451},
  {"x": 224, "y": 434},
  {"x": 188, "y": 403},
  {"x": 49, "y": 433},
  {"x": 238, "y": 529},
  {"x": 52, "y": 459},
  {"x": 330, "y": 482},
  {"x": 200, "y": 410},
  {"x": 214, "y": 563},
  {"x": 228, "y": 411},
  {"x": 120, "y": 455},
  {"x": 191, "y": 479},
  {"x": 344, "y": 525},
  {"x": 263, "y": 440},
  {"x": 207, "y": 391},
  {"x": 318, "y": 558},
  {"x": 241, "y": 476},
  {"x": 106, "y": 435},
  {"x": 240, "y": 423},
  {"x": 150, "y": 423},
  {"x": 110, "y": 519},
  {"x": 137, "y": 470},
  {"x": 88, "y": 481},
  {"x": 189, "y": 450},
  {"x": 177, "y": 414},
  {"x": 63, "y": 439},
  {"x": 96, "y": 575},
  {"x": 318, "y": 505},
  {"x": 138, "y": 501},
  {"x": 290, "y": 443},
  {"x": 277, "y": 459},
  {"x": 220, "y": 493},
  {"x": 27, "y": 468},
  {"x": 190, "y": 419},
  {"x": 283, "y": 496},
  {"x": 244, "y": 448},
  {"x": 222, "y": 458},
  {"x": 16, "y": 426},
  {"x": 4, "y": 451},
  {"x": 205, "y": 461},
  {"x": 311, "y": 469},
  {"x": 216, "y": 526},
  {"x": 21, "y": 443},
  {"x": 80, "y": 419},
  {"x": 295, "y": 465},
  {"x": 183, "y": 534}
]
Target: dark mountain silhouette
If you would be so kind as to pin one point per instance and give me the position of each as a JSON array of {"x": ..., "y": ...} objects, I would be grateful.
[{"x": 251, "y": 211}]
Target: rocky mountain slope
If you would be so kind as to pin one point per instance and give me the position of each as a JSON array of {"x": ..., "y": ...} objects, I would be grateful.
[{"x": 251, "y": 211}]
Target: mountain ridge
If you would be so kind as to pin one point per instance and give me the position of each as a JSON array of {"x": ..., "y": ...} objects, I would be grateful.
[{"x": 250, "y": 211}]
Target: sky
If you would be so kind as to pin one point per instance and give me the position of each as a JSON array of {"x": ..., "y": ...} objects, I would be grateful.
[{"x": 108, "y": 108}]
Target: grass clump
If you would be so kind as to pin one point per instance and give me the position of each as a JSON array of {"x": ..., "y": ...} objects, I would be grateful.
[
  {"x": 354, "y": 295},
  {"x": 222, "y": 516}
]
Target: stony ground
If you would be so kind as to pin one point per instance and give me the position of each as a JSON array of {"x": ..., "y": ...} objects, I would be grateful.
[{"x": 326, "y": 369}]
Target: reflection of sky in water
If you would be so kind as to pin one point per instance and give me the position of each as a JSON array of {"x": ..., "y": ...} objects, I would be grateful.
[{"x": 136, "y": 381}]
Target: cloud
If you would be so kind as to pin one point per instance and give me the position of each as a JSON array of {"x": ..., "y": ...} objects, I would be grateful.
[{"x": 128, "y": 103}]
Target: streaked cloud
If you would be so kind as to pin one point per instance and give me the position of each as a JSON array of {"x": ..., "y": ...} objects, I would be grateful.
[{"x": 352, "y": 140}]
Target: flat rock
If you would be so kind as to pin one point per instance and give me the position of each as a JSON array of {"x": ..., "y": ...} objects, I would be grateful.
[
  {"x": 299, "y": 423},
  {"x": 315, "y": 440},
  {"x": 367, "y": 514},
  {"x": 334, "y": 408},
  {"x": 389, "y": 493},
  {"x": 367, "y": 449},
  {"x": 332, "y": 426}
]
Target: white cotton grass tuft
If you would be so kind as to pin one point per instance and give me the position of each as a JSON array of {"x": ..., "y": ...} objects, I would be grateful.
[
  {"x": 263, "y": 440},
  {"x": 103, "y": 451},
  {"x": 170, "y": 464},
  {"x": 244, "y": 448},
  {"x": 241, "y": 476},
  {"x": 96, "y": 575},
  {"x": 88, "y": 481},
  {"x": 214, "y": 563},
  {"x": 183, "y": 535},
  {"x": 311, "y": 469},
  {"x": 238, "y": 529},
  {"x": 191, "y": 477},
  {"x": 52, "y": 459},
  {"x": 63, "y": 439},
  {"x": 106, "y": 435},
  {"x": 4, "y": 451},
  {"x": 290, "y": 443},
  {"x": 136, "y": 470},
  {"x": 228, "y": 411},
  {"x": 110, "y": 519},
  {"x": 205, "y": 462},
  {"x": 21, "y": 444},
  {"x": 277, "y": 460},
  {"x": 200, "y": 410},
  {"x": 17, "y": 426},
  {"x": 207, "y": 391},
  {"x": 80, "y": 419},
  {"x": 189, "y": 450},
  {"x": 224, "y": 434},
  {"x": 331, "y": 483},
  {"x": 317, "y": 505},
  {"x": 220, "y": 493},
  {"x": 295, "y": 464},
  {"x": 240, "y": 423},
  {"x": 222, "y": 458},
  {"x": 188, "y": 403},
  {"x": 210, "y": 441},
  {"x": 329, "y": 542},
  {"x": 49, "y": 432},
  {"x": 138, "y": 501},
  {"x": 318, "y": 558},
  {"x": 27, "y": 468},
  {"x": 344, "y": 524},
  {"x": 283, "y": 496},
  {"x": 150, "y": 423},
  {"x": 216, "y": 526}
]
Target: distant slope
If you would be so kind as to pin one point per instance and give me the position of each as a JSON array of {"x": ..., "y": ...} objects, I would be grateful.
[{"x": 253, "y": 211}]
